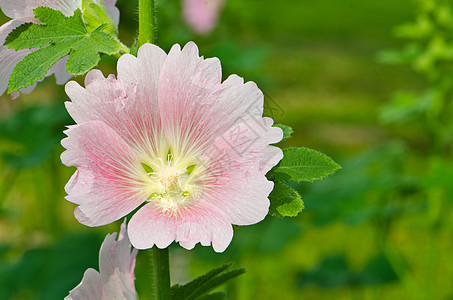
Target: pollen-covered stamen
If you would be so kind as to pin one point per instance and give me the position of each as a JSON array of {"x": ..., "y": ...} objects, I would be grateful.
[
  {"x": 171, "y": 183},
  {"x": 169, "y": 176}
]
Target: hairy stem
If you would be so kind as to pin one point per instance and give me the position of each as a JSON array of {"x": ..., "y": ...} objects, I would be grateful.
[
  {"x": 146, "y": 22},
  {"x": 161, "y": 269}
]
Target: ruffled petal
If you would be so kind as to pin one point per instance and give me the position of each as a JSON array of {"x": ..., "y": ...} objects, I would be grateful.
[
  {"x": 23, "y": 9},
  {"x": 202, "y": 15},
  {"x": 238, "y": 161},
  {"x": 116, "y": 265},
  {"x": 199, "y": 223},
  {"x": 106, "y": 184},
  {"x": 59, "y": 69},
  {"x": 116, "y": 277},
  {"x": 89, "y": 288},
  {"x": 128, "y": 105},
  {"x": 195, "y": 107},
  {"x": 113, "y": 11}
]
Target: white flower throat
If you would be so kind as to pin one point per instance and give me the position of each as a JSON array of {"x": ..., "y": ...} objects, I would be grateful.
[{"x": 170, "y": 182}]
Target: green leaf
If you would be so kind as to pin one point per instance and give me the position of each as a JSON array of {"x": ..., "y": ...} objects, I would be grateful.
[
  {"x": 303, "y": 164},
  {"x": 57, "y": 37},
  {"x": 215, "y": 282},
  {"x": 287, "y": 131},
  {"x": 96, "y": 14},
  {"x": 191, "y": 286},
  {"x": 285, "y": 201},
  {"x": 204, "y": 284}
]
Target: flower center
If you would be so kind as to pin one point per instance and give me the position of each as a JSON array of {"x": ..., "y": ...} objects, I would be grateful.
[
  {"x": 171, "y": 183},
  {"x": 169, "y": 177}
]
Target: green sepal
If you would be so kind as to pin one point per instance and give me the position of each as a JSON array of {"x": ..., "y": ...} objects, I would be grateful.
[
  {"x": 147, "y": 168},
  {"x": 190, "y": 169}
]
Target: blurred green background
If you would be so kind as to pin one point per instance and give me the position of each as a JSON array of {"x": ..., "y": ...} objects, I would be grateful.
[{"x": 379, "y": 229}]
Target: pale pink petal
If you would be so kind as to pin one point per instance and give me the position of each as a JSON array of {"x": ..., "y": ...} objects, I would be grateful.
[
  {"x": 23, "y": 9},
  {"x": 104, "y": 185},
  {"x": 113, "y": 11},
  {"x": 89, "y": 288},
  {"x": 240, "y": 158},
  {"x": 59, "y": 69},
  {"x": 247, "y": 145},
  {"x": 195, "y": 107},
  {"x": 202, "y": 15},
  {"x": 200, "y": 222},
  {"x": 129, "y": 104},
  {"x": 143, "y": 72},
  {"x": 116, "y": 265},
  {"x": 116, "y": 277},
  {"x": 270, "y": 157}
]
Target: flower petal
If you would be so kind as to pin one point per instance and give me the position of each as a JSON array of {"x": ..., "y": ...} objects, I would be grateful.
[
  {"x": 195, "y": 107},
  {"x": 128, "y": 105},
  {"x": 200, "y": 222},
  {"x": 116, "y": 265},
  {"x": 113, "y": 11},
  {"x": 105, "y": 184},
  {"x": 24, "y": 9},
  {"x": 89, "y": 288},
  {"x": 116, "y": 277},
  {"x": 202, "y": 15},
  {"x": 59, "y": 69},
  {"x": 239, "y": 159}
]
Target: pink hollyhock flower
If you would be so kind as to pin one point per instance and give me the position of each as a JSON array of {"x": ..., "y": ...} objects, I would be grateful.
[
  {"x": 169, "y": 134},
  {"x": 116, "y": 277},
  {"x": 21, "y": 11},
  {"x": 202, "y": 15}
]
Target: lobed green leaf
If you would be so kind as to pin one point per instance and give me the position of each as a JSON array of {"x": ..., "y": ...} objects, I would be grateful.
[{"x": 57, "y": 37}]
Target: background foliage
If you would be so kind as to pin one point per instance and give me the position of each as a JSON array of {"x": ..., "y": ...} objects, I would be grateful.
[{"x": 379, "y": 229}]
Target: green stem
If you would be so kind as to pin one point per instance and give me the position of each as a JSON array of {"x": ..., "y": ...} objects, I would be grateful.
[
  {"x": 161, "y": 273},
  {"x": 145, "y": 22}
]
